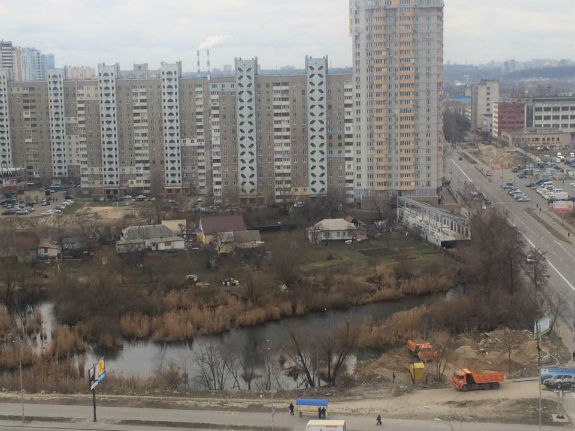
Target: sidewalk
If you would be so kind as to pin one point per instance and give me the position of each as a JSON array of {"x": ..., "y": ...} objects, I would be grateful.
[{"x": 72, "y": 417}]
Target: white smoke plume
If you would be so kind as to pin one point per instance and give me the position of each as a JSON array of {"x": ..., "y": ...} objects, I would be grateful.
[{"x": 213, "y": 41}]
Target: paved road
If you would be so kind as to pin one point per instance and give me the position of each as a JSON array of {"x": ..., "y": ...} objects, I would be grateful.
[
  {"x": 559, "y": 253},
  {"x": 221, "y": 420}
]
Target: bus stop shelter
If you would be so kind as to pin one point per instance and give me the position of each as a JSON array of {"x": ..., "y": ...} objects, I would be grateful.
[{"x": 310, "y": 405}]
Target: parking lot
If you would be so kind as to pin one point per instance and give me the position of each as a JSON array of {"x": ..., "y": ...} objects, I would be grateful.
[{"x": 20, "y": 209}]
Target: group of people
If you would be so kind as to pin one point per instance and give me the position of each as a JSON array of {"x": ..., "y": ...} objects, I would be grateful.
[{"x": 321, "y": 411}]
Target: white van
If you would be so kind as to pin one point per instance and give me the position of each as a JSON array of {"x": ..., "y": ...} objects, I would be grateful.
[{"x": 324, "y": 425}]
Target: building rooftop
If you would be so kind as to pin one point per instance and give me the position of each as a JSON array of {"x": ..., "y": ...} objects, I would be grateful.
[
  {"x": 140, "y": 233},
  {"x": 224, "y": 223},
  {"x": 247, "y": 236},
  {"x": 334, "y": 224}
]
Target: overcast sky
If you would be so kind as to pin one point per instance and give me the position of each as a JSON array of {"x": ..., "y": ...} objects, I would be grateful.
[{"x": 279, "y": 32}]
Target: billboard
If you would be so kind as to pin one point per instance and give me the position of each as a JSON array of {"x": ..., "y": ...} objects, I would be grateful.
[
  {"x": 542, "y": 327},
  {"x": 558, "y": 379},
  {"x": 97, "y": 373},
  {"x": 563, "y": 206}
]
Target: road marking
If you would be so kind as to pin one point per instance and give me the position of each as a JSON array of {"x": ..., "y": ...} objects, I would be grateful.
[
  {"x": 462, "y": 171},
  {"x": 524, "y": 236},
  {"x": 547, "y": 260}
]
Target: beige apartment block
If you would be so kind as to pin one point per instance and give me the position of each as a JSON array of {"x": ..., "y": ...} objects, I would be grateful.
[
  {"x": 398, "y": 96},
  {"x": 158, "y": 131}
]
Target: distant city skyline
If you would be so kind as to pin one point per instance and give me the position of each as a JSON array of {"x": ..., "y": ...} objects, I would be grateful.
[{"x": 279, "y": 33}]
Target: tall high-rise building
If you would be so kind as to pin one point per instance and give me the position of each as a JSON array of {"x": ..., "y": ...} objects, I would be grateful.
[
  {"x": 31, "y": 65},
  {"x": 6, "y": 55},
  {"x": 398, "y": 96}
]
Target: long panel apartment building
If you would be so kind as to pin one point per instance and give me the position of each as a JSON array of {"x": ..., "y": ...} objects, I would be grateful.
[{"x": 247, "y": 137}]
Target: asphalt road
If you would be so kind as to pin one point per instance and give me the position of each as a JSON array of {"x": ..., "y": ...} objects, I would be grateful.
[{"x": 560, "y": 254}]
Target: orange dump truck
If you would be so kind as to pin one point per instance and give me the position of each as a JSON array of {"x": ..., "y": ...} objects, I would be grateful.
[
  {"x": 423, "y": 351},
  {"x": 465, "y": 380}
]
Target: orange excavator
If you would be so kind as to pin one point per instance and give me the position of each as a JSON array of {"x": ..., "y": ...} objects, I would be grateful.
[
  {"x": 423, "y": 351},
  {"x": 465, "y": 380}
]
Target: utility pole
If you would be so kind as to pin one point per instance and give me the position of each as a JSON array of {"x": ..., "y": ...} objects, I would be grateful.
[
  {"x": 21, "y": 380},
  {"x": 21, "y": 377},
  {"x": 94, "y": 403}
]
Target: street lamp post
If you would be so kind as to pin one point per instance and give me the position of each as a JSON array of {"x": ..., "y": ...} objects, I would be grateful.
[
  {"x": 19, "y": 348},
  {"x": 268, "y": 351}
]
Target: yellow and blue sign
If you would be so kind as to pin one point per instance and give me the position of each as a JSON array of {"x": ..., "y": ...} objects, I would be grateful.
[{"x": 97, "y": 373}]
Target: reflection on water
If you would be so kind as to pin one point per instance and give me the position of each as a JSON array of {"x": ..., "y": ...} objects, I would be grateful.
[{"x": 251, "y": 344}]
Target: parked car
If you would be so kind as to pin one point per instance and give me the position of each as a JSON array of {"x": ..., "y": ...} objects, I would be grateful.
[{"x": 522, "y": 176}]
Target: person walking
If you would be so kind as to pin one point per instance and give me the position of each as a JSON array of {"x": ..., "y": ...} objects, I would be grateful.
[
  {"x": 291, "y": 409},
  {"x": 393, "y": 378},
  {"x": 319, "y": 412},
  {"x": 323, "y": 412},
  {"x": 378, "y": 420}
]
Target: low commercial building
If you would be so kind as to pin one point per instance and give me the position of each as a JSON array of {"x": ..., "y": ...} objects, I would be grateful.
[
  {"x": 434, "y": 225},
  {"x": 507, "y": 116},
  {"x": 336, "y": 229},
  {"x": 551, "y": 112},
  {"x": 149, "y": 237},
  {"x": 534, "y": 138}
]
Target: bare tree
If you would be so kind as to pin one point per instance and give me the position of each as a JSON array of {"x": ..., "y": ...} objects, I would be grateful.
[
  {"x": 496, "y": 252},
  {"x": 443, "y": 346},
  {"x": 538, "y": 271},
  {"x": 557, "y": 307},
  {"x": 214, "y": 368},
  {"x": 334, "y": 203},
  {"x": 337, "y": 348},
  {"x": 303, "y": 358},
  {"x": 510, "y": 340}
]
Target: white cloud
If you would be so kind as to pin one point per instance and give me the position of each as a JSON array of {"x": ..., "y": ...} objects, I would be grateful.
[{"x": 278, "y": 32}]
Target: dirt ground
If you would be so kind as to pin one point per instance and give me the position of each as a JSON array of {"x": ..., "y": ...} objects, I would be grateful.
[
  {"x": 514, "y": 402},
  {"x": 108, "y": 213},
  {"x": 497, "y": 157},
  {"x": 485, "y": 351}
]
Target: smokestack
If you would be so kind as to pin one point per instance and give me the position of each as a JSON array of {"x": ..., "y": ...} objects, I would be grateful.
[
  {"x": 198, "y": 55},
  {"x": 208, "y": 61}
]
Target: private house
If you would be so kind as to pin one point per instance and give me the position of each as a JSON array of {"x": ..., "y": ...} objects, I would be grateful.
[
  {"x": 149, "y": 237},
  {"x": 21, "y": 245},
  {"x": 48, "y": 251},
  {"x": 336, "y": 229},
  {"x": 77, "y": 247},
  {"x": 228, "y": 242},
  {"x": 211, "y": 226}
]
